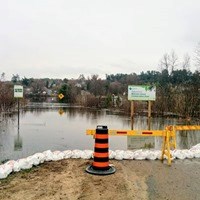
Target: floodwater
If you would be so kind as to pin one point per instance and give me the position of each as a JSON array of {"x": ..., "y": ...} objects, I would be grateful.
[{"x": 57, "y": 128}]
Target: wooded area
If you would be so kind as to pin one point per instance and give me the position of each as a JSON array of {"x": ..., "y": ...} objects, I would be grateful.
[
  {"x": 177, "y": 92},
  {"x": 177, "y": 89}
]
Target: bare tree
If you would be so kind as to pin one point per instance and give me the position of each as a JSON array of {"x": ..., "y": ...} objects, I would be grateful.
[
  {"x": 96, "y": 85},
  {"x": 15, "y": 78},
  {"x": 169, "y": 62},
  {"x": 2, "y": 77},
  {"x": 186, "y": 62},
  {"x": 173, "y": 58},
  {"x": 165, "y": 62}
]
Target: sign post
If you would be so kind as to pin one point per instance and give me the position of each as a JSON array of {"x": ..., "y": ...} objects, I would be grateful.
[
  {"x": 18, "y": 93},
  {"x": 132, "y": 114},
  {"x": 149, "y": 109},
  {"x": 141, "y": 93}
]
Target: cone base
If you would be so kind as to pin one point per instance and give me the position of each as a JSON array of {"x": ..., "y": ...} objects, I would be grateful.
[{"x": 91, "y": 170}]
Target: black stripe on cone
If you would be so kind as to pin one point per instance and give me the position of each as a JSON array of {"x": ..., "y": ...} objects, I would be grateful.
[{"x": 100, "y": 166}]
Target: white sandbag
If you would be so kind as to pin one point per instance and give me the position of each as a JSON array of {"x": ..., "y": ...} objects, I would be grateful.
[
  {"x": 140, "y": 154},
  {"x": 196, "y": 147},
  {"x": 112, "y": 154},
  {"x": 8, "y": 167},
  {"x": 67, "y": 154},
  {"x": 152, "y": 155},
  {"x": 33, "y": 160},
  {"x": 136, "y": 153},
  {"x": 128, "y": 155},
  {"x": 11, "y": 163},
  {"x": 189, "y": 154},
  {"x": 196, "y": 153},
  {"x": 179, "y": 154},
  {"x": 87, "y": 154},
  {"x": 40, "y": 156},
  {"x": 24, "y": 164},
  {"x": 48, "y": 155},
  {"x": 119, "y": 154},
  {"x": 58, "y": 155},
  {"x": 158, "y": 153},
  {"x": 3, "y": 172},
  {"x": 14, "y": 165},
  {"x": 77, "y": 153}
]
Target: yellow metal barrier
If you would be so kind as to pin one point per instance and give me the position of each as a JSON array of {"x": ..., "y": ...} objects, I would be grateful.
[
  {"x": 186, "y": 128},
  {"x": 142, "y": 133},
  {"x": 169, "y": 142},
  {"x": 169, "y": 136},
  {"x": 169, "y": 139}
]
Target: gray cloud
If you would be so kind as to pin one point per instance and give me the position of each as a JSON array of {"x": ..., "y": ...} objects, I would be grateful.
[{"x": 54, "y": 38}]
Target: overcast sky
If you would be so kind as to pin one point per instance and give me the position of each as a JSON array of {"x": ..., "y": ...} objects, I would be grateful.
[{"x": 66, "y": 38}]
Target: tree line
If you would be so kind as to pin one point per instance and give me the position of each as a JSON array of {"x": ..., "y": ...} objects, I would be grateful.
[{"x": 177, "y": 89}]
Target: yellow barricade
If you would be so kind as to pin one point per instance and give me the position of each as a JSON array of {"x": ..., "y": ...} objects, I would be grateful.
[
  {"x": 142, "y": 133},
  {"x": 169, "y": 136},
  {"x": 186, "y": 128}
]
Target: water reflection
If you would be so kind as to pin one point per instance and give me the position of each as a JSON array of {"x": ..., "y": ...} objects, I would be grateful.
[
  {"x": 7, "y": 132},
  {"x": 18, "y": 143},
  {"x": 64, "y": 128},
  {"x": 18, "y": 138},
  {"x": 186, "y": 139},
  {"x": 141, "y": 142}
]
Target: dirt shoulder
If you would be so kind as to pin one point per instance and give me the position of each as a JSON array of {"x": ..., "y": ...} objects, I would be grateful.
[{"x": 67, "y": 179}]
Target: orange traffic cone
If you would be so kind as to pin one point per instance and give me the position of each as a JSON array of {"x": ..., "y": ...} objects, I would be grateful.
[{"x": 100, "y": 165}]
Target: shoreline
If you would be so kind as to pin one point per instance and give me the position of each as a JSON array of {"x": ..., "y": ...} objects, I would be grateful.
[
  {"x": 56, "y": 105},
  {"x": 46, "y": 156}
]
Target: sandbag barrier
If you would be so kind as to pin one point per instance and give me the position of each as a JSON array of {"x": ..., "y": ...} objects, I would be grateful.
[{"x": 38, "y": 158}]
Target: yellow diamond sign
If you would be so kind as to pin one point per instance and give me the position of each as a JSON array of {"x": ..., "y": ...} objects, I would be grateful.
[{"x": 60, "y": 96}]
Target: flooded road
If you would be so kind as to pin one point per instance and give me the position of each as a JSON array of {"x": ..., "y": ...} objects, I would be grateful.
[{"x": 56, "y": 128}]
